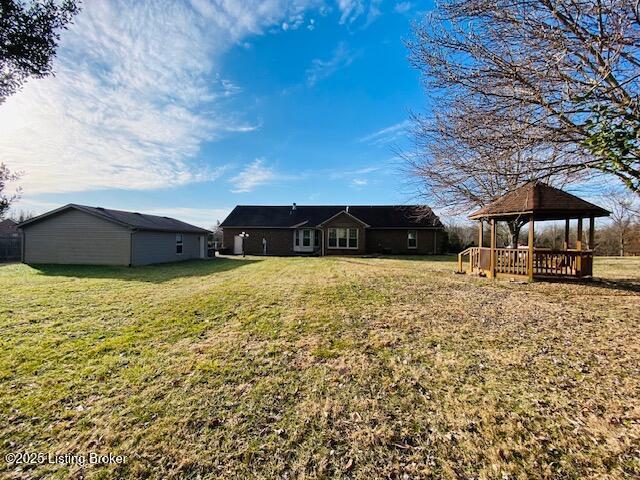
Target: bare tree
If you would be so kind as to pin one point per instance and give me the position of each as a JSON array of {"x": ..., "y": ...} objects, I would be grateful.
[
  {"x": 533, "y": 88},
  {"x": 461, "y": 235},
  {"x": 216, "y": 234},
  {"x": 458, "y": 167},
  {"x": 22, "y": 216},
  {"x": 6, "y": 199},
  {"x": 624, "y": 214}
]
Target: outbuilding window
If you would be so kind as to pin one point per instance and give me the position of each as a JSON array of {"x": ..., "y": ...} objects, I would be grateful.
[
  {"x": 179, "y": 243},
  {"x": 343, "y": 238},
  {"x": 412, "y": 239}
]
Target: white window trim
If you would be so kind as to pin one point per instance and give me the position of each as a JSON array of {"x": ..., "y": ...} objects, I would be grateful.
[
  {"x": 310, "y": 238},
  {"x": 416, "y": 245},
  {"x": 300, "y": 247},
  {"x": 180, "y": 242},
  {"x": 338, "y": 247}
]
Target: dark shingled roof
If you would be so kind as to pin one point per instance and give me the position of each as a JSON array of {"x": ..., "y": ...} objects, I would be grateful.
[
  {"x": 375, "y": 216},
  {"x": 133, "y": 220},
  {"x": 543, "y": 201}
]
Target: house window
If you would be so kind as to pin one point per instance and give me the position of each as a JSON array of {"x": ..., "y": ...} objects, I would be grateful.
[
  {"x": 412, "y": 239},
  {"x": 316, "y": 238},
  {"x": 343, "y": 238},
  {"x": 306, "y": 238},
  {"x": 179, "y": 243},
  {"x": 353, "y": 238},
  {"x": 296, "y": 237},
  {"x": 333, "y": 241}
]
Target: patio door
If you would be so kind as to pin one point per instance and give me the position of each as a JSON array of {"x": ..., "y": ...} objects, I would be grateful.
[
  {"x": 237, "y": 245},
  {"x": 304, "y": 240}
]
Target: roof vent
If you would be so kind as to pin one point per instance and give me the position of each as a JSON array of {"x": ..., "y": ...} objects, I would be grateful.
[
  {"x": 99, "y": 208},
  {"x": 294, "y": 206},
  {"x": 347, "y": 209}
]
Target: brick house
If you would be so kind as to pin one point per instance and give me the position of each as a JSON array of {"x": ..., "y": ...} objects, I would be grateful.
[{"x": 333, "y": 230}]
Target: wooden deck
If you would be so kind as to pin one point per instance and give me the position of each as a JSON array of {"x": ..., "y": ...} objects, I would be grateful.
[{"x": 514, "y": 262}]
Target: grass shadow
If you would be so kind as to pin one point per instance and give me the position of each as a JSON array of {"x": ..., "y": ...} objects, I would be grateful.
[
  {"x": 623, "y": 284},
  {"x": 158, "y": 273},
  {"x": 423, "y": 258}
]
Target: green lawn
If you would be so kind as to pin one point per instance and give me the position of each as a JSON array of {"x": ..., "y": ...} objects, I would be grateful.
[{"x": 320, "y": 368}]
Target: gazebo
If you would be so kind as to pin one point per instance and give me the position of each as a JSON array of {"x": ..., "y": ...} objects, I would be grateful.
[{"x": 531, "y": 203}]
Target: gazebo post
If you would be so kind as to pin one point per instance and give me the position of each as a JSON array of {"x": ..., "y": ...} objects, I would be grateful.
[
  {"x": 566, "y": 234},
  {"x": 492, "y": 266},
  {"x": 480, "y": 233},
  {"x": 592, "y": 233},
  {"x": 579, "y": 238},
  {"x": 579, "y": 248},
  {"x": 530, "y": 245}
]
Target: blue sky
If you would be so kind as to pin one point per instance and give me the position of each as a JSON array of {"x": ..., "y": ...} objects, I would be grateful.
[{"x": 189, "y": 108}]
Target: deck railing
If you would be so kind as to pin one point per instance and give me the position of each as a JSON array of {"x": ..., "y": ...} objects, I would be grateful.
[
  {"x": 515, "y": 261},
  {"x": 567, "y": 263}
]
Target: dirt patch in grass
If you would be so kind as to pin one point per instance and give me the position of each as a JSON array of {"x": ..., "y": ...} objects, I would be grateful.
[{"x": 320, "y": 368}]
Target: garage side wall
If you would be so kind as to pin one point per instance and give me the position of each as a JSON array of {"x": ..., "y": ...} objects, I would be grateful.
[
  {"x": 75, "y": 237},
  {"x": 160, "y": 247}
]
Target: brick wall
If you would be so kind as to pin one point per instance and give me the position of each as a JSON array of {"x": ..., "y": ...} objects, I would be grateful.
[
  {"x": 394, "y": 241},
  {"x": 371, "y": 241},
  {"x": 279, "y": 240},
  {"x": 345, "y": 221}
]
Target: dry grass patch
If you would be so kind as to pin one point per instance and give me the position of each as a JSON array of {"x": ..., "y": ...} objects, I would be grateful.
[{"x": 320, "y": 368}]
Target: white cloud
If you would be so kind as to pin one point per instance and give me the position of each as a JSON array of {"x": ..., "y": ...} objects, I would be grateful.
[
  {"x": 135, "y": 95},
  {"x": 337, "y": 174},
  {"x": 359, "y": 182},
  {"x": 402, "y": 7},
  {"x": 321, "y": 69},
  {"x": 388, "y": 134},
  {"x": 253, "y": 175},
  {"x": 351, "y": 10}
]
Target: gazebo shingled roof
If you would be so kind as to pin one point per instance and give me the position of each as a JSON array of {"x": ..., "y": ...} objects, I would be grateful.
[{"x": 540, "y": 200}]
